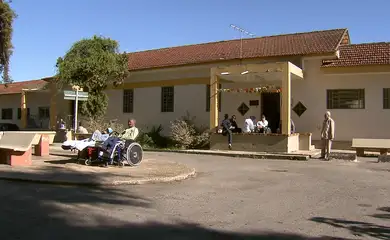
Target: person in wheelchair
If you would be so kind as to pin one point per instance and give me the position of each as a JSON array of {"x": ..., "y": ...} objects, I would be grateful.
[{"x": 128, "y": 136}]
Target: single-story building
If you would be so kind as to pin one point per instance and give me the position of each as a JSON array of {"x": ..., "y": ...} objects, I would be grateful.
[
  {"x": 12, "y": 101},
  {"x": 314, "y": 71}
]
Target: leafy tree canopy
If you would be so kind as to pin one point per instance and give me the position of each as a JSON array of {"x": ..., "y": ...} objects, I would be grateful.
[
  {"x": 93, "y": 64},
  {"x": 7, "y": 16}
]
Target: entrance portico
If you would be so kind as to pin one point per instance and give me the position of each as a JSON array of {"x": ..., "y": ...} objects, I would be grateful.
[
  {"x": 277, "y": 74},
  {"x": 35, "y": 92},
  {"x": 266, "y": 76}
]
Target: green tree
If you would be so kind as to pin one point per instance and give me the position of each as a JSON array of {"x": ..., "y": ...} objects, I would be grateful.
[
  {"x": 7, "y": 16},
  {"x": 93, "y": 64}
]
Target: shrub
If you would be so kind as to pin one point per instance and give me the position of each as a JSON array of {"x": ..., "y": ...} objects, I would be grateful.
[
  {"x": 102, "y": 124},
  {"x": 153, "y": 138},
  {"x": 182, "y": 133},
  {"x": 159, "y": 140},
  {"x": 145, "y": 140},
  {"x": 186, "y": 134}
]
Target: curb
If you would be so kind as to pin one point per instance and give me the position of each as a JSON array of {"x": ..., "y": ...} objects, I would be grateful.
[
  {"x": 237, "y": 155},
  {"x": 179, "y": 177}
]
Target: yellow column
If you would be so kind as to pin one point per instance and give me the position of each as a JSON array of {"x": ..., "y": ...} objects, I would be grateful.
[
  {"x": 53, "y": 106},
  {"x": 286, "y": 100},
  {"x": 213, "y": 99},
  {"x": 23, "y": 110}
]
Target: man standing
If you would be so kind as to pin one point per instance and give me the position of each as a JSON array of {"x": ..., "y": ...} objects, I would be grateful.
[
  {"x": 226, "y": 129},
  {"x": 327, "y": 136}
]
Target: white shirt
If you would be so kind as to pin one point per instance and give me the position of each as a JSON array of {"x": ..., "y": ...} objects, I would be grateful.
[
  {"x": 249, "y": 126},
  {"x": 262, "y": 124}
]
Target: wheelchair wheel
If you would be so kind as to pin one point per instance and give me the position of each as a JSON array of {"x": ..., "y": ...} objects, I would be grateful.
[
  {"x": 134, "y": 154},
  {"x": 88, "y": 162}
]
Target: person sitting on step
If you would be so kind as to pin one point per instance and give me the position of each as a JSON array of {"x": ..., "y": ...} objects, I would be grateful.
[
  {"x": 262, "y": 125},
  {"x": 235, "y": 128},
  {"x": 249, "y": 124}
]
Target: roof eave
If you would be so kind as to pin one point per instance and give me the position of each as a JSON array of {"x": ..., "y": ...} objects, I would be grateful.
[{"x": 331, "y": 53}]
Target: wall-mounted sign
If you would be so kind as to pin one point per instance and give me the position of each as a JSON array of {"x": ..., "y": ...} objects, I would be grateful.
[{"x": 254, "y": 103}]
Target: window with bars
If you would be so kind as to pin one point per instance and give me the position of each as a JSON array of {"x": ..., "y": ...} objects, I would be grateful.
[
  {"x": 208, "y": 97},
  {"x": 20, "y": 113},
  {"x": 6, "y": 113},
  {"x": 386, "y": 98},
  {"x": 128, "y": 100},
  {"x": 167, "y": 99},
  {"x": 345, "y": 99},
  {"x": 44, "y": 112}
]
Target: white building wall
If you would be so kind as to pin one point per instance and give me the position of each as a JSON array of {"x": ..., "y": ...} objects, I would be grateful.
[
  {"x": 311, "y": 91},
  {"x": 232, "y": 100},
  {"x": 370, "y": 122},
  {"x": 10, "y": 101},
  {"x": 191, "y": 98},
  {"x": 147, "y": 106},
  {"x": 34, "y": 101}
]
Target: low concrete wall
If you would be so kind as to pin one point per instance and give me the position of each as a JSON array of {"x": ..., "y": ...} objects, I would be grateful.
[
  {"x": 293, "y": 143},
  {"x": 50, "y": 134},
  {"x": 338, "y": 145},
  {"x": 305, "y": 141},
  {"x": 257, "y": 142}
]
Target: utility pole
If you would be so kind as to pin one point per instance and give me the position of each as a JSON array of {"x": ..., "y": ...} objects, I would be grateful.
[
  {"x": 242, "y": 32},
  {"x": 77, "y": 89}
]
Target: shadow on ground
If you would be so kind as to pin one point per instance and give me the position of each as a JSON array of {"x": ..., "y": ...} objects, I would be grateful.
[
  {"x": 361, "y": 229},
  {"x": 42, "y": 211},
  {"x": 384, "y": 213}
]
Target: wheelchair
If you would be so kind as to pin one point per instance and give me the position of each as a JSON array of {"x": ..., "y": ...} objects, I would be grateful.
[{"x": 122, "y": 153}]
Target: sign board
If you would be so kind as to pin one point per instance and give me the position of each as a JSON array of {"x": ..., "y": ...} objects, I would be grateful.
[
  {"x": 253, "y": 102},
  {"x": 71, "y": 95}
]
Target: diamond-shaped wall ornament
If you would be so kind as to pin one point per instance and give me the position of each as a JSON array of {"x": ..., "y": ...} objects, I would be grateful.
[
  {"x": 243, "y": 109},
  {"x": 299, "y": 109}
]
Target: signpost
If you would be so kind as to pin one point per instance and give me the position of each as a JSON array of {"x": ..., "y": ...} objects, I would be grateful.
[{"x": 76, "y": 95}]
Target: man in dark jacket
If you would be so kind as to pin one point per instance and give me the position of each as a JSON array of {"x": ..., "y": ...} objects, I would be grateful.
[
  {"x": 226, "y": 125},
  {"x": 234, "y": 124}
]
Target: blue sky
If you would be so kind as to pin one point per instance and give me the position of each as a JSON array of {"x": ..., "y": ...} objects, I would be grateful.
[{"x": 46, "y": 29}]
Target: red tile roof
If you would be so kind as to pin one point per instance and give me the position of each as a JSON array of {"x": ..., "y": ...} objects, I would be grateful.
[
  {"x": 16, "y": 87},
  {"x": 317, "y": 42},
  {"x": 361, "y": 54}
]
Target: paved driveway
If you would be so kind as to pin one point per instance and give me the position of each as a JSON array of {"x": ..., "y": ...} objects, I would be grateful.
[{"x": 231, "y": 198}]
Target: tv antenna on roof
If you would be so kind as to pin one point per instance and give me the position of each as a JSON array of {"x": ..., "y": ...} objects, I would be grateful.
[{"x": 242, "y": 32}]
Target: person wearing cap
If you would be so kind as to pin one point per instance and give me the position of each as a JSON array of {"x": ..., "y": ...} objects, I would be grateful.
[
  {"x": 109, "y": 131},
  {"x": 105, "y": 134},
  {"x": 327, "y": 136}
]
